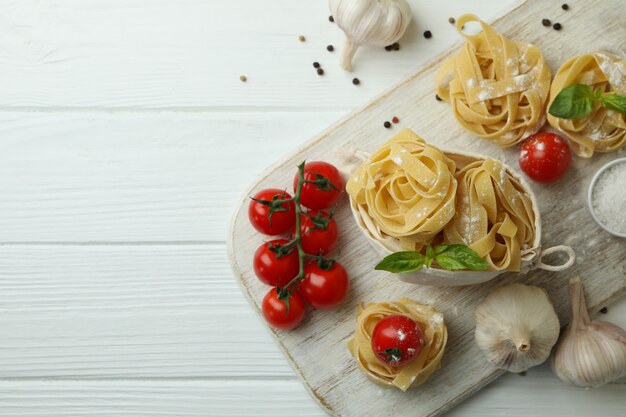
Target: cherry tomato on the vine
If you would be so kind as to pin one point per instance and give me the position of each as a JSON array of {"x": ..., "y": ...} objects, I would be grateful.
[
  {"x": 283, "y": 215},
  {"x": 318, "y": 234},
  {"x": 324, "y": 288},
  {"x": 274, "y": 270},
  {"x": 327, "y": 192},
  {"x": 275, "y": 310},
  {"x": 545, "y": 157},
  {"x": 397, "y": 340}
]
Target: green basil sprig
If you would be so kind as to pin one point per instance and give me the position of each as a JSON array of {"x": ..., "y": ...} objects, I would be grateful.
[
  {"x": 450, "y": 257},
  {"x": 578, "y": 101}
]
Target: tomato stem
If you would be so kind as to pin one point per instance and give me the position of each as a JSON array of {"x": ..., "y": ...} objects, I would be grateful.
[
  {"x": 324, "y": 263},
  {"x": 296, "y": 239}
]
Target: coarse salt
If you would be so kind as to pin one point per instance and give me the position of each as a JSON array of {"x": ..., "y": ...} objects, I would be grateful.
[{"x": 609, "y": 198}]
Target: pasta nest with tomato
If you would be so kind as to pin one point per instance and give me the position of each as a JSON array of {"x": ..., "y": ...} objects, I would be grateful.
[{"x": 417, "y": 371}]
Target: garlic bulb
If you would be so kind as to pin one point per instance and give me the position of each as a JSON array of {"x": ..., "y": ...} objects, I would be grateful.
[
  {"x": 369, "y": 22},
  {"x": 589, "y": 353},
  {"x": 516, "y": 327}
]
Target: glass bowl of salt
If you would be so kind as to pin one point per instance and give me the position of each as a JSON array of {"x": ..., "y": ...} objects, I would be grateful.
[{"x": 607, "y": 197}]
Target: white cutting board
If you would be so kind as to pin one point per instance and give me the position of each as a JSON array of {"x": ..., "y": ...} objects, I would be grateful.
[{"x": 317, "y": 348}]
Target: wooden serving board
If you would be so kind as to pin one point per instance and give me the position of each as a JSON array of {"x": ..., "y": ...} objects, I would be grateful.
[{"x": 317, "y": 348}]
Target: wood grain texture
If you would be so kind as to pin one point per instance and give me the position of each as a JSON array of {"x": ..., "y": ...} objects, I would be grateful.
[
  {"x": 140, "y": 311},
  {"x": 245, "y": 398},
  {"x": 120, "y": 121},
  {"x": 189, "y": 54},
  {"x": 135, "y": 177},
  {"x": 317, "y": 348}
]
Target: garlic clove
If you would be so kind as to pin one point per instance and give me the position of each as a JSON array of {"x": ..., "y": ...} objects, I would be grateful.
[
  {"x": 516, "y": 327},
  {"x": 589, "y": 353},
  {"x": 369, "y": 23}
]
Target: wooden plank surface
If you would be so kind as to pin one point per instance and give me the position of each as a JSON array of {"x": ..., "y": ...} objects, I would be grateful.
[
  {"x": 317, "y": 348},
  {"x": 281, "y": 398},
  {"x": 188, "y": 55},
  {"x": 116, "y": 118}
]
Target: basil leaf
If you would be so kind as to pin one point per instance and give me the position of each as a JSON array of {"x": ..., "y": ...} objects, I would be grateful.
[
  {"x": 454, "y": 257},
  {"x": 573, "y": 102},
  {"x": 614, "y": 102},
  {"x": 399, "y": 262}
]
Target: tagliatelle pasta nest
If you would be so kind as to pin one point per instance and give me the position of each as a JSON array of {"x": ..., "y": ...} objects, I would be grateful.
[
  {"x": 407, "y": 188},
  {"x": 603, "y": 130},
  {"x": 498, "y": 88},
  {"x": 476, "y": 202},
  {"x": 419, "y": 369},
  {"x": 494, "y": 215}
]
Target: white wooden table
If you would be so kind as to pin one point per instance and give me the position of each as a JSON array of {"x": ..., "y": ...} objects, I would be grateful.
[{"x": 126, "y": 138}]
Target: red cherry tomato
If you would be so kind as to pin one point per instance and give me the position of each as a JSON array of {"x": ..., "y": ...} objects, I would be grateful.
[
  {"x": 316, "y": 240},
  {"x": 545, "y": 157},
  {"x": 312, "y": 196},
  {"x": 281, "y": 221},
  {"x": 324, "y": 288},
  {"x": 275, "y": 310},
  {"x": 397, "y": 340},
  {"x": 273, "y": 270}
]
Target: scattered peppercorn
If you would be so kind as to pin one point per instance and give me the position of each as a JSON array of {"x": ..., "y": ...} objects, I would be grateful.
[
  {"x": 428, "y": 34},
  {"x": 243, "y": 78},
  {"x": 395, "y": 120},
  {"x": 557, "y": 26},
  {"x": 546, "y": 22},
  {"x": 301, "y": 38},
  {"x": 316, "y": 65},
  {"x": 396, "y": 46},
  {"x": 451, "y": 20},
  {"x": 437, "y": 97},
  {"x": 320, "y": 71},
  {"x": 356, "y": 81},
  {"x": 523, "y": 373},
  {"x": 604, "y": 310},
  {"x": 565, "y": 6},
  {"x": 388, "y": 47},
  {"x": 387, "y": 125},
  {"x": 331, "y": 19},
  {"x": 330, "y": 48}
]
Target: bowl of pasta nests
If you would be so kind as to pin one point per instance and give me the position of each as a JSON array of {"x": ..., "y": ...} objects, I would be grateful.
[{"x": 412, "y": 196}]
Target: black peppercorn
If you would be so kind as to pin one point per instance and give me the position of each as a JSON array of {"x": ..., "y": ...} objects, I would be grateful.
[
  {"x": 387, "y": 125},
  {"x": 396, "y": 46},
  {"x": 565, "y": 6},
  {"x": 320, "y": 71},
  {"x": 604, "y": 310},
  {"x": 451, "y": 20},
  {"x": 437, "y": 97},
  {"x": 546, "y": 22},
  {"x": 316, "y": 65},
  {"x": 388, "y": 47},
  {"x": 557, "y": 26},
  {"x": 331, "y": 19},
  {"x": 428, "y": 34},
  {"x": 330, "y": 48},
  {"x": 356, "y": 81}
]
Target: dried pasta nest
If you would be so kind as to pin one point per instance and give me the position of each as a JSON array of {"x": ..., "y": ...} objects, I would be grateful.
[
  {"x": 418, "y": 370},
  {"x": 498, "y": 88},
  {"x": 603, "y": 130},
  {"x": 494, "y": 212}
]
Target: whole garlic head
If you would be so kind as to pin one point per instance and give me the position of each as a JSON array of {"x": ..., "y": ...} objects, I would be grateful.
[
  {"x": 516, "y": 327},
  {"x": 369, "y": 22},
  {"x": 589, "y": 353}
]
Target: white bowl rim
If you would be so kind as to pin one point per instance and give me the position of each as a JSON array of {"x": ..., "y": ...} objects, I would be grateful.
[{"x": 592, "y": 185}]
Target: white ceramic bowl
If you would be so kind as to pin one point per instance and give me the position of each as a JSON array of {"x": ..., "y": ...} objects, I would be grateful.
[
  {"x": 531, "y": 257},
  {"x": 592, "y": 186}
]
